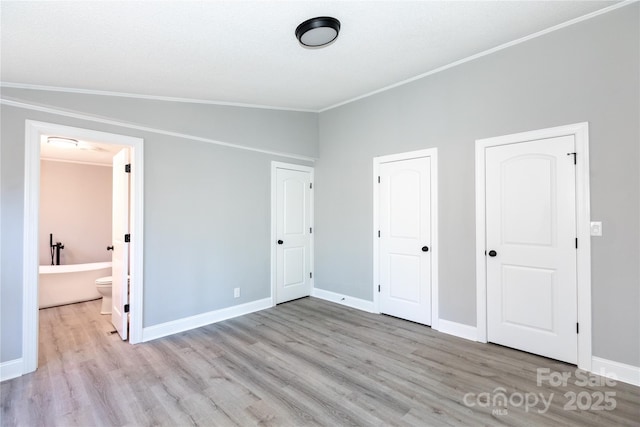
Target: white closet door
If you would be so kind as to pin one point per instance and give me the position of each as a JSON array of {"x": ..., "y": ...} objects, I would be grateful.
[
  {"x": 293, "y": 233},
  {"x": 405, "y": 239},
  {"x": 531, "y": 247}
]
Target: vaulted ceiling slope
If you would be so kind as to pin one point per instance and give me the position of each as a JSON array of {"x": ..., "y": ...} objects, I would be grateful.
[{"x": 245, "y": 52}]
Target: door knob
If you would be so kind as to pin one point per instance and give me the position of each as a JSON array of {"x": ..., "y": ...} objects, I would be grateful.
[
  {"x": 492, "y": 253},
  {"x": 280, "y": 242},
  {"x": 425, "y": 249}
]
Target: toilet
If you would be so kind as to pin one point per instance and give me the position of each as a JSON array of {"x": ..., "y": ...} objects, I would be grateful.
[
  {"x": 104, "y": 288},
  {"x": 103, "y": 284}
]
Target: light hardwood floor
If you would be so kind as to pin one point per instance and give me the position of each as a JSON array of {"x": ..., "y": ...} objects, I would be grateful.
[{"x": 306, "y": 362}]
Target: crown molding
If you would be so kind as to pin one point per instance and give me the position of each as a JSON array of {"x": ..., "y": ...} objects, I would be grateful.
[
  {"x": 44, "y": 88},
  {"x": 98, "y": 119}
]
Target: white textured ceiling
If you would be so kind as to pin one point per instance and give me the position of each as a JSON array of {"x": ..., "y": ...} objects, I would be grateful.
[{"x": 246, "y": 52}]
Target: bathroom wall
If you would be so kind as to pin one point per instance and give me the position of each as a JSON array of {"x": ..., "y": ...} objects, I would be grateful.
[{"x": 75, "y": 205}]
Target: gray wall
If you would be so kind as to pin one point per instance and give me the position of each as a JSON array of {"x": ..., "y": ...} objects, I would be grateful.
[
  {"x": 586, "y": 72},
  {"x": 288, "y": 132},
  {"x": 207, "y": 207}
]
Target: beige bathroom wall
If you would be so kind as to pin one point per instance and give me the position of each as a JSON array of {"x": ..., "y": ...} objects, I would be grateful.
[{"x": 75, "y": 205}]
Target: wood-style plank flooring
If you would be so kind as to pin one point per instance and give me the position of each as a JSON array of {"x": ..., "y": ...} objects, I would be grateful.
[{"x": 306, "y": 362}]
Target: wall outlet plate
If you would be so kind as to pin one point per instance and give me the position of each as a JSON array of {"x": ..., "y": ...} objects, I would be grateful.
[
  {"x": 236, "y": 292},
  {"x": 596, "y": 228}
]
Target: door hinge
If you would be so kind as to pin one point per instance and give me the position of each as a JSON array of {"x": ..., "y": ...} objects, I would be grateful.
[
  {"x": 576, "y": 243},
  {"x": 378, "y": 179},
  {"x": 127, "y": 168},
  {"x": 310, "y": 275},
  {"x": 378, "y": 288},
  {"x": 126, "y": 308},
  {"x": 311, "y": 186},
  {"x": 575, "y": 155},
  {"x": 310, "y": 230},
  {"x": 577, "y": 328},
  {"x": 127, "y": 238},
  {"x": 378, "y": 233}
]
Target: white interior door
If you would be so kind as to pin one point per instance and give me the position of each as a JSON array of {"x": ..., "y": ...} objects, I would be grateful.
[
  {"x": 293, "y": 234},
  {"x": 531, "y": 247},
  {"x": 120, "y": 254},
  {"x": 405, "y": 239}
]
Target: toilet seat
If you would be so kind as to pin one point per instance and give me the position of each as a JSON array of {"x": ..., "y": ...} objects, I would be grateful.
[{"x": 104, "y": 280}]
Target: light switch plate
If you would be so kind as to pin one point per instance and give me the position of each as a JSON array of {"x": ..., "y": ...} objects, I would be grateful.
[{"x": 596, "y": 228}]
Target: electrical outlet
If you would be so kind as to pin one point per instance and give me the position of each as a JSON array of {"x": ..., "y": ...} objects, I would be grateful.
[
  {"x": 236, "y": 292},
  {"x": 596, "y": 228}
]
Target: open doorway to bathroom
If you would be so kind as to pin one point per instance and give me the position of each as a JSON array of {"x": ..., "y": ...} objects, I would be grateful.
[
  {"x": 74, "y": 227},
  {"x": 84, "y": 192}
]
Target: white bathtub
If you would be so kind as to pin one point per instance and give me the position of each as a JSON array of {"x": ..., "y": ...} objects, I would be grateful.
[{"x": 66, "y": 284}]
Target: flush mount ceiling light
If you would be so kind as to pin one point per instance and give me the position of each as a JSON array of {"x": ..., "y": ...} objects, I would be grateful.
[
  {"x": 61, "y": 142},
  {"x": 318, "y": 32}
]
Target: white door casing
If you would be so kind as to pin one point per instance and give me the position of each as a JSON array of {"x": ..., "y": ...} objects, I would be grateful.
[
  {"x": 512, "y": 267},
  {"x": 531, "y": 232},
  {"x": 120, "y": 254},
  {"x": 292, "y": 231},
  {"x": 405, "y": 236},
  {"x": 34, "y": 131}
]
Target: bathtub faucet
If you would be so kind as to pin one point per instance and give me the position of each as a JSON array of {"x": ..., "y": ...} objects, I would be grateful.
[{"x": 55, "y": 250}]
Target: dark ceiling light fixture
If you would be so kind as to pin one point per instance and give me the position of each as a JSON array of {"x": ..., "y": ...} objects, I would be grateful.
[{"x": 318, "y": 32}]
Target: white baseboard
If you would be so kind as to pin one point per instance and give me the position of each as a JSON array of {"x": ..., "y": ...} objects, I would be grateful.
[
  {"x": 192, "y": 322},
  {"x": 618, "y": 371},
  {"x": 458, "y": 329},
  {"x": 10, "y": 369},
  {"x": 357, "y": 303}
]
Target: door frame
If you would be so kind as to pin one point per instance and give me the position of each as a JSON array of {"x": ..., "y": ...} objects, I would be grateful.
[
  {"x": 580, "y": 132},
  {"x": 377, "y": 161},
  {"x": 30, "y": 314},
  {"x": 274, "y": 188}
]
